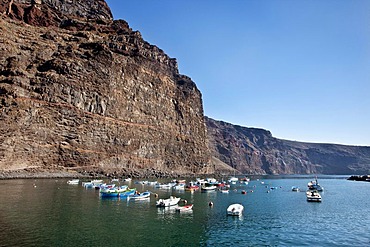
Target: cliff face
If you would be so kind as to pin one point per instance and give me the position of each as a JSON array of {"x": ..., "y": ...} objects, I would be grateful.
[
  {"x": 256, "y": 151},
  {"x": 80, "y": 90}
]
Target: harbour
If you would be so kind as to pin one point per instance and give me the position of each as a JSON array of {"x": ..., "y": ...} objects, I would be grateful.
[{"x": 51, "y": 212}]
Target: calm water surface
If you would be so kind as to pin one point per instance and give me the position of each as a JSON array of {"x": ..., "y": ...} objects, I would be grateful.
[{"x": 53, "y": 213}]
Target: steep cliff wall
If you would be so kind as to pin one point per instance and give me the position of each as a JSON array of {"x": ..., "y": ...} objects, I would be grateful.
[
  {"x": 256, "y": 151},
  {"x": 80, "y": 90}
]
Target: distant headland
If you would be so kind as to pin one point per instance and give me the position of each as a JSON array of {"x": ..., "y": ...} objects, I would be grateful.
[{"x": 365, "y": 178}]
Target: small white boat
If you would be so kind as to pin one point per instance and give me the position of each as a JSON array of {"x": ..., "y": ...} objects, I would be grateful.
[
  {"x": 233, "y": 180},
  {"x": 152, "y": 183},
  {"x": 208, "y": 187},
  {"x": 235, "y": 209},
  {"x": 172, "y": 201},
  {"x": 224, "y": 191},
  {"x": 295, "y": 188},
  {"x": 87, "y": 184},
  {"x": 164, "y": 186},
  {"x": 179, "y": 187},
  {"x": 140, "y": 196},
  {"x": 73, "y": 181},
  {"x": 185, "y": 208},
  {"x": 92, "y": 184},
  {"x": 313, "y": 196}
]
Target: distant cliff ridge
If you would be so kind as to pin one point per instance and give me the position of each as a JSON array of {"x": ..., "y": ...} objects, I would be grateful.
[
  {"x": 82, "y": 91},
  {"x": 256, "y": 151}
]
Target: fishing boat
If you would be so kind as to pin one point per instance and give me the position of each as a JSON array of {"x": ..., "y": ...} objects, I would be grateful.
[
  {"x": 73, "y": 181},
  {"x": 224, "y": 190},
  {"x": 164, "y": 186},
  {"x": 179, "y": 186},
  {"x": 191, "y": 187},
  {"x": 235, "y": 209},
  {"x": 127, "y": 192},
  {"x": 172, "y": 201},
  {"x": 233, "y": 180},
  {"x": 140, "y": 196},
  {"x": 313, "y": 196},
  {"x": 109, "y": 192},
  {"x": 92, "y": 183},
  {"x": 121, "y": 191},
  {"x": 208, "y": 187},
  {"x": 184, "y": 208}
]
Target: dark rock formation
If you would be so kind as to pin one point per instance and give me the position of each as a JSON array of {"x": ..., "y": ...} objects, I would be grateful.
[
  {"x": 82, "y": 91},
  {"x": 256, "y": 151},
  {"x": 364, "y": 178}
]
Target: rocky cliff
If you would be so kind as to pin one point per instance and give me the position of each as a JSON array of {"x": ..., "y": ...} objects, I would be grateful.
[
  {"x": 81, "y": 91},
  {"x": 256, "y": 151}
]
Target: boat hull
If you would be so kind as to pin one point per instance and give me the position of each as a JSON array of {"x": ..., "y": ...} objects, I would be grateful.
[
  {"x": 142, "y": 196},
  {"x": 172, "y": 201},
  {"x": 235, "y": 210},
  {"x": 313, "y": 196},
  {"x": 185, "y": 208}
]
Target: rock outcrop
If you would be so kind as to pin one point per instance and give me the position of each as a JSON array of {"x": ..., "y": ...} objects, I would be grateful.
[
  {"x": 82, "y": 91},
  {"x": 256, "y": 151}
]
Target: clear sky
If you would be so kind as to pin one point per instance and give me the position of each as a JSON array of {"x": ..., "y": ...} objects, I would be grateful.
[{"x": 298, "y": 68}]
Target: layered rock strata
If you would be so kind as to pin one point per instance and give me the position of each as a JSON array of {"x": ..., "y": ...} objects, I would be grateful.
[
  {"x": 256, "y": 151},
  {"x": 81, "y": 91}
]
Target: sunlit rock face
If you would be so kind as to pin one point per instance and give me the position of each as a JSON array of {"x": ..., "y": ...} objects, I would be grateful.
[
  {"x": 256, "y": 151},
  {"x": 82, "y": 91}
]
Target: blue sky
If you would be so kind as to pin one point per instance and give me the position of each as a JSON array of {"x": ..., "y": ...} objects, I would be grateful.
[{"x": 300, "y": 69}]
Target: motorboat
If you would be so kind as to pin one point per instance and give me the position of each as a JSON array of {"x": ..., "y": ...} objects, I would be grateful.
[
  {"x": 140, "y": 196},
  {"x": 208, "y": 187},
  {"x": 127, "y": 192},
  {"x": 121, "y": 191},
  {"x": 295, "y": 188},
  {"x": 184, "y": 208},
  {"x": 172, "y": 201},
  {"x": 313, "y": 196},
  {"x": 235, "y": 209},
  {"x": 73, "y": 181},
  {"x": 109, "y": 192},
  {"x": 92, "y": 183},
  {"x": 233, "y": 180},
  {"x": 191, "y": 187},
  {"x": 164, "y": 186},
  {"x": 179, "y": 186},
  {"x": 314, "y": 185}
]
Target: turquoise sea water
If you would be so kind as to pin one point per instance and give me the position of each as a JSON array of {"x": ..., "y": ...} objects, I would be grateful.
[{"x": 50, "y": 212}]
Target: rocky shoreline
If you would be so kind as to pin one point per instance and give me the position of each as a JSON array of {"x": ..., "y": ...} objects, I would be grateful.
[
  {"x": 36, "y": 173},
  {"x": 365, "y": 178}
]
